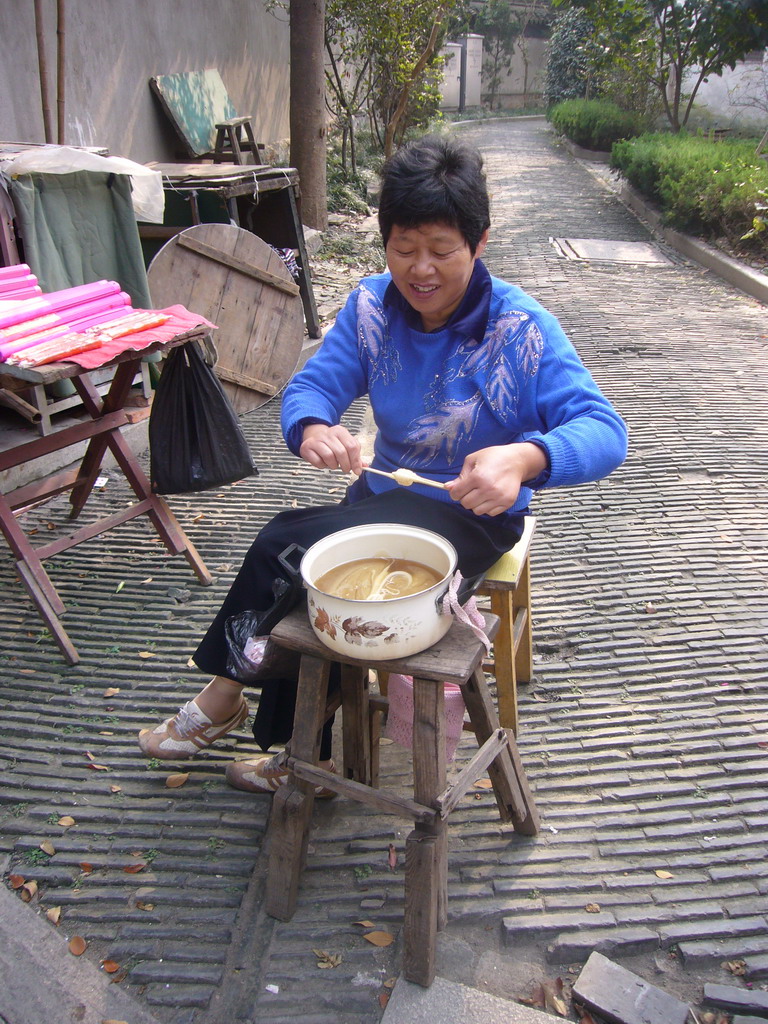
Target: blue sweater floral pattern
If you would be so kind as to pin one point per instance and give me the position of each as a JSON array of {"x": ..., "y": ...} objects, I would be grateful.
[{"x": 439, "y": 396}]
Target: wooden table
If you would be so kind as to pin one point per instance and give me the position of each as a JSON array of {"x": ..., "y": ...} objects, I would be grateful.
[
  {"x": 103, "y": 433},
  {"x": 263, "y": 199}
]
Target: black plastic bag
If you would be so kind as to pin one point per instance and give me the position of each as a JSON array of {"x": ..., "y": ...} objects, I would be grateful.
[
  {"x": 252, "y": 655},
  {"x": 195, "y": 440}
]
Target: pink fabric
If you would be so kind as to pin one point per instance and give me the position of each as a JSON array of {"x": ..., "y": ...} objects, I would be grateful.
[
  {"x": 181, "y": 321},
  {"x": 399, "y": 726}
]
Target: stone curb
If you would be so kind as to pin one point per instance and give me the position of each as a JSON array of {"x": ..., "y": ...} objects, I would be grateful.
[
  {"x": 43, "y": 981},
  {"x": 733, "y": 271}
]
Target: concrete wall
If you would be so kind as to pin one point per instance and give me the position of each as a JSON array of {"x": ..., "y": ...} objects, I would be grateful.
[
  {"x": 738, "y": 96},
  {"x": 113, "y": 48},
  {"x": 513, "y": 90}
]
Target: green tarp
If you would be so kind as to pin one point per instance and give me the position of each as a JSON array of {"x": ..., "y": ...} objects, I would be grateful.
[{"x": 80, "y": 227}]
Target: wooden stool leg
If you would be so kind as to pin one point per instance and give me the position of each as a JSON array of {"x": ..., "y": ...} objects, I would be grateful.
[
  {"x": 510, "y": 784},
  {"x": 421, "y": 899},
  {"x": 356, "y": 724},
  {"x": 521, "y": 600},
  {"x": 426, "y": 864},
  {"x": 502, "y": 604},
  {"x": 292, "y": 804}
]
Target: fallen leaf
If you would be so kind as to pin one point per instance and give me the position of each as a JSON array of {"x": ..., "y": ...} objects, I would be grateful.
[
  {"x": 650, "y": 608},
  {"x": 592, "y": 908},
  {"x": 66, "y": 821},
  {"x": 147, "y": 580},
  {"x": 553, "y": 997},
  {"x": 28, "y": 890},
  {"x": 105, "y": 732},
  {"x": 120, "y": 586},
  {"x": 110, "y": 966},
  {"x": 146, "y": 654},
  {"x": 85, "y": 867},
  {"x": 390, "y": 983},
  {"x": 134, "y": 869},
  {"x": 77, "y": 945},
  {"x": 53, "y": 915},
  {"x": 89, "y": 755},
  {"x": 392, "y": 859},
  {"x": 366, "y": 924},
  {"x": 99, "y": 767},
  {"x": 176, "y": 780},
  {"x": 379, "y": 938},
  {"x": 587, "y": 1018},
  {"x": 483, "y": 784},
  {"x": 111, "y": 691},
  {"x": 326, "y": 960},
  {"x": 738, "y": 967},
  {"x": 141, "y": 905},
  {"x": 115, "y": 789},
  {"x": 663, "y": 874},
  {"x": 47, "y": 847},
  {"x": 16, "y": 881},
  {"x": 383, "y": 999}
]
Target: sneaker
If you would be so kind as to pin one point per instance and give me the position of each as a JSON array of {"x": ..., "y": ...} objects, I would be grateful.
[
  {"x": 188, "y": 732},
  {"x": 266, "y": 774}
]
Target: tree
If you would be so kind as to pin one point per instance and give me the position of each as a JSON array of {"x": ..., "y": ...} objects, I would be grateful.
[
  {"x": 569, "y": 64},
  {"x": 677, "y": 44},
  {"x": 499, "y": 28},
  {"x": 307, "y": 108},
  {"x": 383, "y": 58}
]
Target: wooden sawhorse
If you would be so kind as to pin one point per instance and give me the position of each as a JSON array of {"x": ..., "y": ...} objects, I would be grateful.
[{"x": 457, "y": 658}]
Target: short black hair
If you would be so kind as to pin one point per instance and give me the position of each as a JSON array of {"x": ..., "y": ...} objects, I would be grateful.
[{"x": 435, "y": 179}]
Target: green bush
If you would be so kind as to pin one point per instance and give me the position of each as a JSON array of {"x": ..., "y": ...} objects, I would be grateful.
[
  {"x": 594, "y": 124},
  {"x": 714, "y": 189}
]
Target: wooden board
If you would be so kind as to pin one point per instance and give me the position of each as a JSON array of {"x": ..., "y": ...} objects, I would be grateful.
[
  {"x": 194, "y": 102},
  {"x": 238, "y": 282}
]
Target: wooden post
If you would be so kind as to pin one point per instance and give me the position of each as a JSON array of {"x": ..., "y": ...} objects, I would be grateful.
[{"x": 42, "y": 63}]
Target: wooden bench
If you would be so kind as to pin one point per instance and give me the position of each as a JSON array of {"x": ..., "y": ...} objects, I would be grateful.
[
  {"x": 508, "y": 585},
  {"x": 457, "y": 658}
]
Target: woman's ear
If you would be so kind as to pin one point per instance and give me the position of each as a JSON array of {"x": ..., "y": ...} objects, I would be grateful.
[{"x": 481, "y": 244}]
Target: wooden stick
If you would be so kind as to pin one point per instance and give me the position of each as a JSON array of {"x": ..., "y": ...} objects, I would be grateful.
[{"x": 405, "y": 477}]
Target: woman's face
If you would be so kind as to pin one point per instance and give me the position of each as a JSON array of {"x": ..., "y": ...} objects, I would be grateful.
[{"x": 431, "y": 266}]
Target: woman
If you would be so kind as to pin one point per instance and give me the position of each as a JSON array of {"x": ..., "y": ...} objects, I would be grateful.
[{"x": 471, "y": 383}]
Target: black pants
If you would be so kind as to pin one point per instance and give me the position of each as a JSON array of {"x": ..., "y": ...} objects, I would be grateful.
[{"x": 479, "y": 542}]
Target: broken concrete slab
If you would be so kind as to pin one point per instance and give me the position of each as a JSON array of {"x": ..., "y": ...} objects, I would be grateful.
[
  {"x": 729, "y": 997},
  {"x": 621, "y": 997}
]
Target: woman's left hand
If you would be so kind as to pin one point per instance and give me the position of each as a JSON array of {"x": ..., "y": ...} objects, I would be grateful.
[{"x": 491, "y": 478}]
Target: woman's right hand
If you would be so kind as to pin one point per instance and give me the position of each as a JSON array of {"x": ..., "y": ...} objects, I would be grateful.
[{"x": 331, "y": 448}]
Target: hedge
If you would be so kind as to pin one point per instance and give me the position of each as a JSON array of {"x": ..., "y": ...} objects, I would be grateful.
[
  {"x": 594, "y": 124},
  {"x": 715, "y": 189}
]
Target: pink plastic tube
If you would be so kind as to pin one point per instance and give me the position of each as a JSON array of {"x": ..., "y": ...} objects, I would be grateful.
[
  {"x": 81, "y": 326},
  {"x": 57, "y": 302},
  {"x": 51, "y": 320},
  {"x": 28, "y": 291},
  {"x": 89, "y": 314},
  {"x": 17, "y": 270},
  {"x": 12, "y": 284}
]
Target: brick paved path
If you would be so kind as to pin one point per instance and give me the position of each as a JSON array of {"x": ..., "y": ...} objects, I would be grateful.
[{"x": 644, "y": 732}]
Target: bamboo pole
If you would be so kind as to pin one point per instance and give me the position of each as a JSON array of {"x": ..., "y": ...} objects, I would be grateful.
[
  {"x": 60, "y": 81},
  {"x": 42, "y": 63}
]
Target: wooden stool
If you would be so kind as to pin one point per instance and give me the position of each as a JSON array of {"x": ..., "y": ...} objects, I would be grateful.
[
  {"x": 230, "y": 143},
  {"x": 457, "y": 659},
  {"x": 508, "y": 584}
]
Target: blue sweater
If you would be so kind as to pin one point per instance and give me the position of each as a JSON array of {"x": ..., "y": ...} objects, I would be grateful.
[{"x": 500, "y": 371}]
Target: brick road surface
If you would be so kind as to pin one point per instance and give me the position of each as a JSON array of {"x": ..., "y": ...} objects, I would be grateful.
[{"x": 644, "y": 731}]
